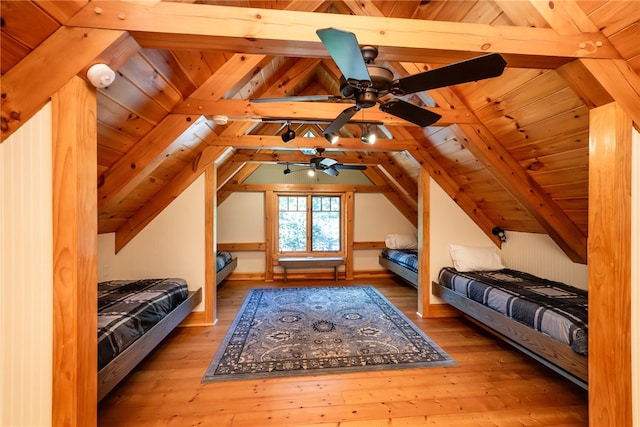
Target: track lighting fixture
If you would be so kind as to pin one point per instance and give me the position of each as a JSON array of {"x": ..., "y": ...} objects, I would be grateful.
[
  {"x": 289, "y": 134},
  {"x": 332, "y": 137},
  {"x": 287, "y": 171},
  {"x": 368, "y": 136}
]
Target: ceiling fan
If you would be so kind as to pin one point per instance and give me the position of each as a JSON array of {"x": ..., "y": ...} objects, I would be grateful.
[
  {"x": 322, "y": 164},
  {"x": 365, "y": 83}
]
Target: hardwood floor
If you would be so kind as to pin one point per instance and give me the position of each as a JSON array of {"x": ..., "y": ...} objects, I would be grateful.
[{"x": 493, "y": 385}]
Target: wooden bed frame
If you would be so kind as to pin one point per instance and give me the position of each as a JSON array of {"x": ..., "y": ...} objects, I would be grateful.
[
  {"x": 546, "y": 350},
  {"x": 406, "y": 274},
  {"x": 121, "y": 365},
  {"x": 553, "y": 354},
  {"x": 226, "y": 270}
]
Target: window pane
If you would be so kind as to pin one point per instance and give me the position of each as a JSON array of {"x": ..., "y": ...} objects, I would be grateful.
[
  {"x": 292, "y": 234},
  {"x": 325, "y": 232},
  {"x": 293, "y": 204},
  {"x": 282, "y": 203},
  {"x": 292, "y": 224},
  {"x": 325, "y": 219}
]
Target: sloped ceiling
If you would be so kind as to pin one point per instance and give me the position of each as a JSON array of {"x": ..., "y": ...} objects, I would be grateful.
[{"x": 512, "y": 151}]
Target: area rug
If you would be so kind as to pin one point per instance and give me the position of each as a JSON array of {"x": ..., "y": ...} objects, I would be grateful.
[{"x": 320, "y": 330}]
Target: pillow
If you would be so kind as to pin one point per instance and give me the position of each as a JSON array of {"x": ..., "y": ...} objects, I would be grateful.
[
  {"x": 401, "y": 241},
  {"x": 470, "y": 258}
]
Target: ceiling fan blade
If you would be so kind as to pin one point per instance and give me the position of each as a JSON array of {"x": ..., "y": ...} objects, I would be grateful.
[
  {"x": 308, "y": 98},
  {"x": 342, "y": 119},
  {"x": 482, "y": 67},
  {"x": 352, "y": 167},
  {"x": 345, "y": 51},
  {"x": 410, "y": 112}
]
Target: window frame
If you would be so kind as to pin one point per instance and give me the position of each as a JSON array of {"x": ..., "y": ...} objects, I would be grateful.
[{"x": 309, "y": 252}]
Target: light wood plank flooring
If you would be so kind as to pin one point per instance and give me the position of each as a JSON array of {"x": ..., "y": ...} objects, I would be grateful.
[{"x": 493, "y": 385}]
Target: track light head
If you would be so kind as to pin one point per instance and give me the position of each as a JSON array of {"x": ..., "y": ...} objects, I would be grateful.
[
  {"x": 368, "y": 136},
  {"x": 287, "y": 171},
  {"x": 332, "y": 137},
  {"x": 289, "y": 134}
]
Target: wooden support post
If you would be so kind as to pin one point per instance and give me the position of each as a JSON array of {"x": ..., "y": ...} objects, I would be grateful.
[
  {"x": 75, "y": 252},
  {"x": 350, "y": 211},
  {"x": 610, "y": 136},
  {"x": 210, "y": 239},
  {"x": 269, "y": 202},
  {"x": 424, "y": 242}
]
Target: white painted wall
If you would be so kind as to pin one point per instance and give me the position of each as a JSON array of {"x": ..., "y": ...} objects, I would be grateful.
[
  {"x": 375, "y": 217},
  {"x": 26, "y": 274},
  {"x": 241, "y": 219},
  {"x": 449, "y": 224},
  {"x": 172, "y": 245},
  {"x": 538, "y": 254}
]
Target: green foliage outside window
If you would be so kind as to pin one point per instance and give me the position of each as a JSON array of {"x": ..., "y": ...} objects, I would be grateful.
[{"x": 322, "y": 224}]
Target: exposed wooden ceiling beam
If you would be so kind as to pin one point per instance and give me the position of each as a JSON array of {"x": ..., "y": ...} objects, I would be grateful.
[
  {"x": 238, "y": 109},
  {"x": 404, "y": 183},
  {"x": 592, "y": 79},
  {"x": 566, "y": 17},
  {"x": 457, "y": 194},
  {"x": 142, "y": 159},
  {"x": 348, "y": 158},
  {"x": 599, "y": 82},
  {"x": 30, "y": 83},
  {"x": 488, "y": 150},
  {"x": 344, "y": 144},
  {"x": 161, "y": 200},
  {"x": 170, "y": 25}
]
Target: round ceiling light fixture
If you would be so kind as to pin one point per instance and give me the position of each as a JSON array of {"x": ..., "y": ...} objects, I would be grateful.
[{"x": 101, "y": 75}]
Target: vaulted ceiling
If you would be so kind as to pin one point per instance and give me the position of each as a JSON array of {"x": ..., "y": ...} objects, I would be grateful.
[{"x": 511, "y": 151}]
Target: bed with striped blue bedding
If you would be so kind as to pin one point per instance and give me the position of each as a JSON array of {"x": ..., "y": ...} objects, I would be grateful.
[
  {"x": 127, "y": 309},
  {"x": 406, "y": 258},
  {"x": 553, "y": 308},
  {"x": 223, "y": 258}
]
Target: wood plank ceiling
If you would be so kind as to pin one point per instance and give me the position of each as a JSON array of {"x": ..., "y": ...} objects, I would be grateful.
[{"x": 511, "y": 151}]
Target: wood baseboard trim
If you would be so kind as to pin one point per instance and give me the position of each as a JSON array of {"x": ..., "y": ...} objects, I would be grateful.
[
  {"x": 440, "y": 310},
  {"x": 195, "y": 318}
]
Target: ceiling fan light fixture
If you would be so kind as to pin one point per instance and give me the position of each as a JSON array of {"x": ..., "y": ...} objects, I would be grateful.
[
  {"x": 332, "y": 171},
  {"x": 289, "y": 134},
  {"x": 311, "y": 173}
]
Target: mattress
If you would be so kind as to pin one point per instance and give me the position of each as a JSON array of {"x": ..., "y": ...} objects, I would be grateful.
[
  {"x": 222, "y": 259},
  {"x": 553, "y": 308},
  {"x": 406, "y": 258},
  {"x": 129, "y": 308}
]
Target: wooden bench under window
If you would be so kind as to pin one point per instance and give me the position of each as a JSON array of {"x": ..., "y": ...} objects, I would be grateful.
[{"x": 311, "y": 262}]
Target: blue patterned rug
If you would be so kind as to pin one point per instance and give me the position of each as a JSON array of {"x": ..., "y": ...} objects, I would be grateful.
[{"x": 320, "y": 330}]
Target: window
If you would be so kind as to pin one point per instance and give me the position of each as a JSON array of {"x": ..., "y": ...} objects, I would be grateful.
[{"x": 309, "y": 223}]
